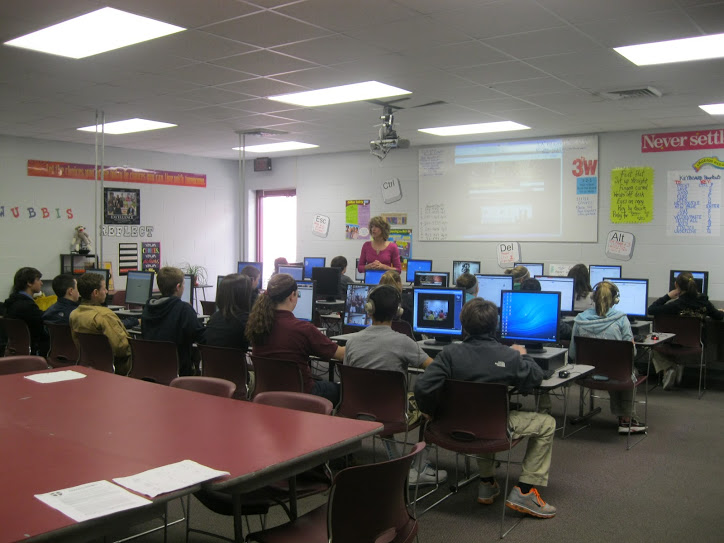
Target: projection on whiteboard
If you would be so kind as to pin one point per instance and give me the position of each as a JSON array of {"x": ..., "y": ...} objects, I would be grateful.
[{"x": 534, "y": 190}]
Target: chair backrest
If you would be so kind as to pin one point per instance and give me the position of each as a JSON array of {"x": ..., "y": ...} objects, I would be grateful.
[
  {"x": 274, "y": 374},
  {"x": 22, "y": 364},
  {"x": 369, "y": 502},
  {"x": 371, "y": 394},
  {"x": 612, "y": 358},
  {"x": 18, "y": 336},
  {"x": 118, "y": 298},
  {"x": 687, "y": 329},
  {"x": 225, "y": 363},
  {"x": 403, "y": 327},
  {"x": 95, "y": 351},
  {"x": 208, "y": 307},
  {"x": 295, "y": 400},
  {"x": 155, "y": 361},
  {"x": 205, "y": 385},
  {"x": 63, "y": 350}
]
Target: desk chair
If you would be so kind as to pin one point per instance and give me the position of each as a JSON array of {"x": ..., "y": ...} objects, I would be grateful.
[
  {"x": 225, "y": 363},
  {"x": 95, "y": 352},
  {"x": 63, "y": 350},
  {"x": 367, "y": 503},
  {"x": 273, "y": 374},
  {"x": 208, "y": 307},
  {"x": 18, "y": 336},
  {"x": 22, "y": 364},
  {"x": 472, "y": 418},
  {"x": 119, "y": 298},
  {"x": 403, "y": 327},
  {"x": 295, "y": 400},
  {"x": 155, "y": 361},
  {"x": 687, "y": 342},
  {"x": 205, "y": 385},
  {"x": 614, "y": 362}
]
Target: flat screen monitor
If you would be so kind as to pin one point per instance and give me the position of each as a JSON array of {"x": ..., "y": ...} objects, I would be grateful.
[
  {"x": 99, "y": 271},
  {"x": 188, "y": 293},
  {"x": 372, "y": 277},
  {"x": 596, "y": 272},
  {"x": 258, "y": 265},
  {"x": 533, "y": 269},
  {"x": 358, "y": 275},
  {"x": 313, "y": 262},
  {"x": 530, "y": 318},
  {"x": 304, "y": 309},
  {"x": 701, "y": 278},
  {"x": 327, "y": 280},
  {"x": 354, "y": 306},
  {"x": 634, "y": 294},
  {"x": 414, "y": 265},
  {"x": 295, "y": 271},
  {"x": 431, "y": 279},
  {"x": 490, "y": 287},
  {"x": 465, "y": 266},
  {"x": 436, "y": 312},
  {"x": 139, "y": 285},
  {"x": 219, "y": 279},
  {"x": 564, "y": 285}
]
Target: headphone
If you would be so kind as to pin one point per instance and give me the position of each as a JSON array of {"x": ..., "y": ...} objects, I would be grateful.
[
  {"x": 616, "y": 295},
  {"x": 380, "y": 290}
]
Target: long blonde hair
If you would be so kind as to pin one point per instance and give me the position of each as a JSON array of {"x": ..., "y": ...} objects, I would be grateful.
[
  {"x": 605, "y": 297},
  {"x": 261, "y": 318}
]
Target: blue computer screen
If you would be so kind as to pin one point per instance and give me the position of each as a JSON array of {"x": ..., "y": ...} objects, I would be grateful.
[
  {"x": 436, "y": 311},
  {"x": 527, "y": 316},
  {"x": 414, "y": 265},
  {"x": 295, "y": 271},
  {"x": 372, "y": 277},
  {"x": 313, "y": 262}
]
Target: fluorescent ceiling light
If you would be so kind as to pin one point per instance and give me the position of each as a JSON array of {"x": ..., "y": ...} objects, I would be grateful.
[
  {"x": 96, "y": 32},
  {"x": 277, "y": 147},
  {"x": 713, "y": 109},
  {"x": 481, "y": 128},
  {"x": 128, "y": 126},
  {"x": 367, "y": 90},
  {"x": 663, "y": 52}
]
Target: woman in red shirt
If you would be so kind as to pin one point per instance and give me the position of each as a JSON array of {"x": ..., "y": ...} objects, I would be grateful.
[{"x": 379, "y": 254}]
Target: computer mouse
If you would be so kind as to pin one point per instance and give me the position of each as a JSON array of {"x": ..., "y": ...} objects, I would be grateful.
[
  {"x": 654, "y": 337},
  {"x": 563, "y": 374}
]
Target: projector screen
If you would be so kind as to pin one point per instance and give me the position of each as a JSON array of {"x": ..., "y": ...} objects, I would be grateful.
[{"x": 533, "y": 190}]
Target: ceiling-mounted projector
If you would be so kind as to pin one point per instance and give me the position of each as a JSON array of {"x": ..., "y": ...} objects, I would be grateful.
[{"x": 388, "y": 138}]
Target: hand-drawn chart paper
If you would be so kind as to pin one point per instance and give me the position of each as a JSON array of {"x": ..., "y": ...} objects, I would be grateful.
[
  {"x": 632, "y": 195},
  {"x": 694, "y": 204}
]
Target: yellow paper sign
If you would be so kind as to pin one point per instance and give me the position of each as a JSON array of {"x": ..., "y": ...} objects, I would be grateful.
[{"x": 632, "y": 195}]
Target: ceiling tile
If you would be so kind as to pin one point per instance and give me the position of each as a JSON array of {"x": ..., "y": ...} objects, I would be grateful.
[
  {"x": 356, "y": 13},
  {"x": 266, "y": 29},
  {"x": 264, "y": 63},
  {"x": 331, "y": 50}
]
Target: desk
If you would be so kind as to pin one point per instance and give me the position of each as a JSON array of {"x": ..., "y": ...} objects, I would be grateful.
[
  {"x": 104, "y": 426},
  {"x": 549, "y": 358}
]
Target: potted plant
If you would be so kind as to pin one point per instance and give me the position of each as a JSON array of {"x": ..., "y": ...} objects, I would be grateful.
[{"x": 199, "y": 272}]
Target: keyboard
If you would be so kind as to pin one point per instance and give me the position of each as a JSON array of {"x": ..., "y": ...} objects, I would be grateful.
[
  {"x": 639, "y": 338},
  {"x": 136, "y": 328},
  {"x": 548, "y": 374}
]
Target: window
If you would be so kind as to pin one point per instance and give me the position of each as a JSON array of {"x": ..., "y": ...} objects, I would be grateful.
[{"x": 276, "y": 218}]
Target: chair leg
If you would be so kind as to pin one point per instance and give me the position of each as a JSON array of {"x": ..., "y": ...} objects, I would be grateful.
[
  {"x": 584, "y": 416},
  {"x": 505, "y": 496},
  {"x": 702, "y": 372},
  {"x": 630, "y": 445}
]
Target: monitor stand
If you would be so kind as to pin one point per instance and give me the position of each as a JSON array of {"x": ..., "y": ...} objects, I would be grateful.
[
  {"x": 535, "y": 348},
  {"x": 439, "y": 341}
]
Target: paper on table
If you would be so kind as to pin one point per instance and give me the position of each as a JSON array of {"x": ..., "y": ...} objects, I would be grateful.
[
  {"x": 169, "y": 478},
  {"x": 92, "y": 500},
  {"x": 55, "y": 376}
]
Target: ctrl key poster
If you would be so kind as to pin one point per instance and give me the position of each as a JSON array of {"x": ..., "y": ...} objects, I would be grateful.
[{"x": 151, "y": 255}]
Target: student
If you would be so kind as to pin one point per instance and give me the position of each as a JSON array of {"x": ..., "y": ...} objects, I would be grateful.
[
  {"x": 685, "y": 300},
  {"x": 391, "y": 277},
  {"x": 227, "y": 325},
  {"x": 379, "y": 253},
  {"x": 281, "y": 261},
  {"x": 470, "y": 283},
  {"x": 65, "y": 287},
  {"x": 604, "y": 322},
  {"x": 379, "y": 347},
  {"x": 274, "y": 332},
  {"x": 255, "y": 275},
  {"x": 21, "y": 305},
  {"x": 480, "y": 358},
  {"x": 90, "y": 317},
  {"x": 341, "y": 263},
  {"x": 519, "y": 273},
  {"x": 169, "y": 318},
  {"x": 582, "y": 286}
]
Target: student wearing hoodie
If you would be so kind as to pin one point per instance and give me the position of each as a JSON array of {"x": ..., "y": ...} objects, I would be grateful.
[
  {"x": 21, "y": 305},
  {"x": 604, "y": 322},
  {"x": 169, "y": 318}
]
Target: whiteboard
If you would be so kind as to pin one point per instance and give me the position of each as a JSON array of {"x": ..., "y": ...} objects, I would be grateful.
[{"x": 533, "y": 190}]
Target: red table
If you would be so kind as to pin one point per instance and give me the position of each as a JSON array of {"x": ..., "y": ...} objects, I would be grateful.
[{"x": 59, "y": 435}]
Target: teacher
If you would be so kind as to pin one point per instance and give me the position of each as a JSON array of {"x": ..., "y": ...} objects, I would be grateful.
[{"x": 379, "y": 254}]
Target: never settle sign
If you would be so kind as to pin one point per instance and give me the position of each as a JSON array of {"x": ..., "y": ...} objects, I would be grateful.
[{"x": 683, "y": 141}]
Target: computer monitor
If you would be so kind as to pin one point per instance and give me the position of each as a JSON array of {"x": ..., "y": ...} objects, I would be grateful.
[
  {"x": 436, "y": 312},
  {"x": 304, "y": 309},
  {"x": 313, "y": 262},
  {"x": 414, "y": 265},
  {"x": 490, "y": 287},
  {"x": 295, "y": 271},
  {"x": 596, "y": 272},
  {"x": 431, "y": 279},
  {"x": 533, "y": 269},
  {"x": 464, "y": 266},
  {"x": 354, "y": 306},
  {"x": 327, "y": 280},
  {"x": 258, "y": 265},
  {"x": 564, "y": 285},
  {"x": 372, "y": 277},
  {"x": 139, "y": 285},
  {"x": 530, "y": 318},
  {"x": 701, "y": 278},
  {"x": 101, "y": 271},
  {"x": 634, "y": 295},
  {"x": 358, "y": 275},
  {"x": 219, "y": 279},
  {"x": 188, "y": 293}
]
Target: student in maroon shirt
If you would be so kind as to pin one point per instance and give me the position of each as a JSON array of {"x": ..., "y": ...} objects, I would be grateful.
[
  {"x": 274, "y": 332},
  {"x": 380, "y": 253}
]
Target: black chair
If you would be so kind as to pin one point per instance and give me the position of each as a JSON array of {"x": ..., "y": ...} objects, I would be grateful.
[
  {"x": 63, "y": 350},
  {"x": 273, "y": 374},
  {"x": 687, "y": 342},
  {"x": 225, "y": 363},
  {"x": 95, "y": 352},
  {"x": 18, "y": 336},
  {"x": 22, "y": 364},
  {"x": 155, "y": 361}
]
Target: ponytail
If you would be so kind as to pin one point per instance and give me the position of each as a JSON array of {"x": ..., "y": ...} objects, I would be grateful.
[
  {"x": 261, "y": 318},
  {"x": 687, "y": 285}
]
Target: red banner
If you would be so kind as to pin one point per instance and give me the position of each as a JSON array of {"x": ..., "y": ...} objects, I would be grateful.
[
  {"x": 683, "y": 141},
  {"x": 120, "y": 174}
]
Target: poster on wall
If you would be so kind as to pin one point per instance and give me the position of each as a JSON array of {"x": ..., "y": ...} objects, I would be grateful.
[
  {"x": 108, "y": 265},
  {"x": 357, "y": 219},
  {"x": 632, "y": 195},
  {"x": 151, "y": 255},
  {"x": 694, "y": 204},
  {"x": 127, "y": 257},
  {"x": 121, "y": 206},
  {"x": 395, "y": 219},
  {"x": 403, "y": 239}
]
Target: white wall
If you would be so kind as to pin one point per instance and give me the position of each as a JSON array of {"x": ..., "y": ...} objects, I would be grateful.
[{"x": 197, "y": 225}]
